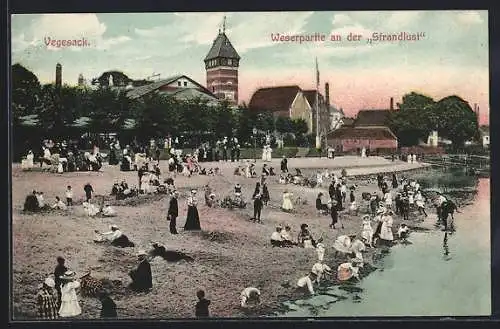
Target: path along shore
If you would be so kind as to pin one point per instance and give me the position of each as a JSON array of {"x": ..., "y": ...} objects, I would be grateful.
[{"x": 230, "y": 253}]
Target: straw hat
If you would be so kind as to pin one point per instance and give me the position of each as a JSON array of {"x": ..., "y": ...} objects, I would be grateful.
[
  {"x": 141, "y": 253},
  {"x": 68, "y": 275},
  {"x": 114, "y": 227},
  {"x": 50, "y": 282}
]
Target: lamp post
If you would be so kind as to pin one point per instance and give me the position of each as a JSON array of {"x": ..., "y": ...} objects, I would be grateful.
[{"x": 254, "y": 133}]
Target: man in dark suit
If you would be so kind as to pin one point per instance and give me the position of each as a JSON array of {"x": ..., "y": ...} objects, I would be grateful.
[
  {"x": 257, "y": 208},
  {"x": 173, "y": 212}
]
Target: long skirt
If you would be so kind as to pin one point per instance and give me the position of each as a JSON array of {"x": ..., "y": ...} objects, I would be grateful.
[
  {"x": 122, "y": 242},
  {"x": 193, "y": 220}
]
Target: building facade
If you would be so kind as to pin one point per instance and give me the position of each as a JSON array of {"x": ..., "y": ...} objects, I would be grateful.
[
  {"x": 221, "y": 65},
  {"x": 284, "y": 101},
  {"x": 353, "y": 140},
  {"x": 181, "y": 87}
]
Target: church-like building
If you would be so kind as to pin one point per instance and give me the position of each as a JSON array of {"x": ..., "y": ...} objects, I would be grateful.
[{"x": 221, "y": 65}]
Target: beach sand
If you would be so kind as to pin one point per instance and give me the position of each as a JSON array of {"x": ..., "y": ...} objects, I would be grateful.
[{"x": 230, "y": 253}]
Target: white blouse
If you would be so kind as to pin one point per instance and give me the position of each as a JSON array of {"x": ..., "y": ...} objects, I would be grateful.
[{"x": 306, "y": 281}]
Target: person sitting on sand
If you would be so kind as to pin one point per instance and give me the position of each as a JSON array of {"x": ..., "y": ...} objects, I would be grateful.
[
  {"x": 357, "y": 247},
  {"x": 108, "y": 211},
  {"x": 41, "y": 200},
  {"x": 307, "y": 281},
  {"x": 59, "y": 204},
  {"x": 90, "y": 209},
  {"x": 348, "y": 271},
  {"x": 237, "y": 190},
  {"x": 276, "y": 239},
  {"x": 403, "y": 232},
  {"x": 342, "y": 244},
  {"x": 237, "y": 171},
  {"x": 31, "y": 202},
  {"x": 305, "y": 239},
  {"x": 250, "y": 295},
  {"x": 115, "y": 237},
  {"x": 286, "y": 238},
  {"x": 287, "y": 205},
  {"x": 320, "y": 269},
  {"x": 282, "y": 179},
  {"x": 367, "y": 231},
  {"x": 142, "y": 280}
]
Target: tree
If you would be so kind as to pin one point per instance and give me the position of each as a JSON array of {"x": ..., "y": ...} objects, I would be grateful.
[
  {"x": 458, "y": 122},
  {"x": 284, "y": 125},
  {"x": 299, "y": 127},
  {"x": 25, "y": 91},
  {"x": 265, "y": 121},
  {"x": 414, "y": 120}
]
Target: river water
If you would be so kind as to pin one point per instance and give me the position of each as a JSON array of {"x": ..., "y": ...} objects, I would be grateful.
[{"x": 438, "y": 275}]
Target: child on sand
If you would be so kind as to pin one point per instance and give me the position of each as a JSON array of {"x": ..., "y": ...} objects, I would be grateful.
[{"x": 202, "y": 305}]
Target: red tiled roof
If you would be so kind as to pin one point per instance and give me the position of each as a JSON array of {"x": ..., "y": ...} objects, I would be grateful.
[
  {"x": 372, "y": 118},
  {"x": 375, "y": 133},
  {"x": 275, "y": 99}
]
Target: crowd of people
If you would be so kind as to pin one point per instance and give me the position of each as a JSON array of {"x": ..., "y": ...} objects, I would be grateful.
[{"x": 57, "y": 296}]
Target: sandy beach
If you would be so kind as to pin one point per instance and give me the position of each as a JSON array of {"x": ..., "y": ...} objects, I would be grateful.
[{"x": 230, "y": 253}]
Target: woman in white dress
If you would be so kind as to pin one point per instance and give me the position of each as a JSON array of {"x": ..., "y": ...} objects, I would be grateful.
[
  {"x": 29, "y": 160},
  {"x": 319, "y": 178},
  {"x": 145, "y": 179},
  {"x": 411, "y": 198},
  {"x": 420, "y": 202},
  {"x": 287, "y": 202},
  {"x": 367, "y": 231},
  {"x": 69, "y": 299},
  {"x": 269, "y": 154},
  {"x": 386, "y": 229},
  {"x": 264, "y": 153},
  {"x": 388, "y": 200}
]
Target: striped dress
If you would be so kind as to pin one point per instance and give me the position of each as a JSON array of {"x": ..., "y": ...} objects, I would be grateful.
[{"x": 47, "y": 305}]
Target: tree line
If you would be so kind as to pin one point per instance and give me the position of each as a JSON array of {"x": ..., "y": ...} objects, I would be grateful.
[
  {"x": 418, "y": 115},
  {"x": 68, "y": 111},
  {"x": 46, "y": 111}
]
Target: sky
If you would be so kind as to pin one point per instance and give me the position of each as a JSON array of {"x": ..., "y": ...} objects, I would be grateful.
[{"x": 450, "y": 58}]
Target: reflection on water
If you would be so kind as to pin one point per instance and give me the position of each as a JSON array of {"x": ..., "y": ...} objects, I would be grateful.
[
  {"x": 446, "y": 248},
  {"x": 439, "y": 274}
]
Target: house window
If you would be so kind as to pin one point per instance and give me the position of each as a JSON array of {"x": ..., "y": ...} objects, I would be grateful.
[
  {"x": 179, "y": 83},
  {"x": 185, "y": 83},
  {"x": 230, "y": 62}
]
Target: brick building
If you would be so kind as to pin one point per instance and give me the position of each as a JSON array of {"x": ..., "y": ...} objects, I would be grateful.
[
  {"x": 351, "y": 139},
  {"x": 221, "y": 65},
  {"x": 368, "y": 130}
]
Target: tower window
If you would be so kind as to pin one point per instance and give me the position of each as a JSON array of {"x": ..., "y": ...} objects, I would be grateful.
[{"x": 213, "y": 89}]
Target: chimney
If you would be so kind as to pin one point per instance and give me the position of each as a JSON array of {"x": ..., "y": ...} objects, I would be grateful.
[
  {"x": 391, "y": 106},
  {"x": 327, "y": 94}
]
